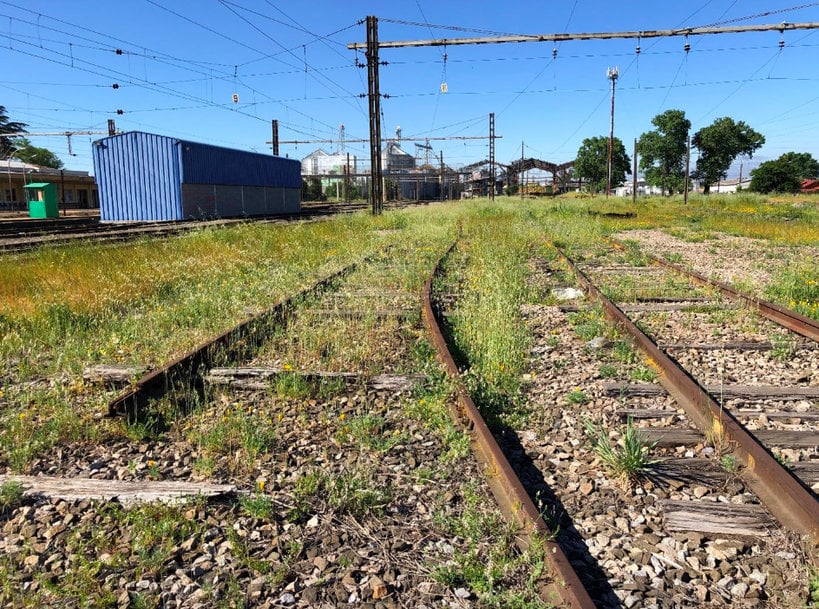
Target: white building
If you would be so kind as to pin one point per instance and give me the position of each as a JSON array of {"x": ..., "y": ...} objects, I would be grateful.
[
  {"x": 323, "y": 163},
  {"x": 730, "y": 186}
]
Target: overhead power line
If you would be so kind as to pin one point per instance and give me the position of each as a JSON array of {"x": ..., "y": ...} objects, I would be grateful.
[
  {"x": 392, "y": 139},
  {"x": 691, "y": 31}
]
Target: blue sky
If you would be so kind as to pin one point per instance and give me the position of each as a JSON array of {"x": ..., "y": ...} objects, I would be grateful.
[{"x": 181, "y": 62}]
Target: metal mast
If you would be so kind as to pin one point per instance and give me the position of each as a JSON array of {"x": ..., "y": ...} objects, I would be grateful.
[
  {"x": 374, "y": 95},
  {"x": 491, "y": 156},
  {"x": 612, "y": 74}
]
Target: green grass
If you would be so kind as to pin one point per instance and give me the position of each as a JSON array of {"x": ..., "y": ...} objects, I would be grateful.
[
  {"x": 257, "y": 505},
  {"x": 813, "y": 588},
  {"x": 590, "y": 324},
  {"x": 11, "y": 495},
  {"x": 501, "y": 576},
  {"x": 627, "y": 459}
]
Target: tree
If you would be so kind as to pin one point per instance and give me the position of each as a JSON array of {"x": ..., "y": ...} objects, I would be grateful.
[
  {"x": 36, "y": 156},
  {"x": 311, "y": 190},
  {"x": 807, "y": 168},
  {"x": 592, "y": 162},
  {"x": 780, "y": 175},
  {"x": 719, "y": 144},
  {"x": 662, "y": 151},
  {"x": 7, "y": 126}
]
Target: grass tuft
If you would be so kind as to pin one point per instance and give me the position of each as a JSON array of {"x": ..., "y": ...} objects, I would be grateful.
[{"x": 628, "y": 459}]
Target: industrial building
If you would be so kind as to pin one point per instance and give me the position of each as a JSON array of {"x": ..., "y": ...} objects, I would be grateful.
[
  {"x": 320, "y": 163},
  {"x": 147, "y": 177},
  {"x": 75, "y": 189}
]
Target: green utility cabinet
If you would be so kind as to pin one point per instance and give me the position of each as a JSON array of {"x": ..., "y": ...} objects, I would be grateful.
[{"x": 42, "y": 200}]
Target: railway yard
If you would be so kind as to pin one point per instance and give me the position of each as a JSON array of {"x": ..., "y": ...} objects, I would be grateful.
[{"x": 433, "y": 407}]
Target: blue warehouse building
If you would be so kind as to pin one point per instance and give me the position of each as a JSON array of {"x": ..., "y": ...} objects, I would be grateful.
[{"x": 147, "y": 177}]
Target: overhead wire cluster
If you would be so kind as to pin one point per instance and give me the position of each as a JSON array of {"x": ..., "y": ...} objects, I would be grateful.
[
  {"x": 55, "y": 49},
  {"x": 75, "y": 46}
]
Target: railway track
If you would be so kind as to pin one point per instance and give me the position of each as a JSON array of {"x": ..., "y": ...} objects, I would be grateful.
[
  {"x": 318, "y": 414},
  {"x": 656, "y": 543},
  {"x": 23, "y": 235},
  {"x": 324, "y": 415},
  {"x": 758, "y": 369}
]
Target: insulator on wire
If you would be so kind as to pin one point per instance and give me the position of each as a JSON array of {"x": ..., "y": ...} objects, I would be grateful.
[
  {"x": 781, "y": 43},
  {"x": 554, "y": 53},
  {"x": 637, "y": 50}
]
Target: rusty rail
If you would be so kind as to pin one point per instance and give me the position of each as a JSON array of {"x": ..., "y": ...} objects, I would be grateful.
[
  {"x": 186, "y": 369},
  {"x": 513, "y": 499},
  {"x": 802, "y": 325},
  {"x": 787, "y": 497}
]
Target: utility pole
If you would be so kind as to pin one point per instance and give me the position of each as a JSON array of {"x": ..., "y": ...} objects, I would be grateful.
[
  {"x": 634, "y": 175},
  {"x": 612, "y": 74},
  {"x": 374, "y": 96},
  {"x": 520, "y": 181},
  {"x": 347, "y": 180},
  {"x": 275, "y": 136},
  {"x": 442, "y": 176},
  {"x": 491, "y": 156},
  {"x": 687, "y": 169}
]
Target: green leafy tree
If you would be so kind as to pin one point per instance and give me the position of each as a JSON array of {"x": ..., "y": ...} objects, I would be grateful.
[
  {"x": 7, "y": 126},
  {"x": 35, "y": 155},
  {"x": 719, "y": 144},
  {"x": 353, "y": 191},
  {"x": 779, "y": 175},
  {"x": 662, "y": 151},
  {"x": 591, "y": 163},
  {"x": 311, "y": 190},
  {"x": 807, "y": 167}
]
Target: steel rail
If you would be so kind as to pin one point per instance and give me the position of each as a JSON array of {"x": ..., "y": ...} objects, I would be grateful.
[
  {"x": 786, "y": 496},
  {"x": 186, "y": 370},
  {"x": 509, "y": 492},
  {"x": 805, "y": 326}
]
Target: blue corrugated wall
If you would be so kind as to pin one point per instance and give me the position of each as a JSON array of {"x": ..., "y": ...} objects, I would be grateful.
[
  {"x": 204, "y": 164},
  {"x": 138, "y": 177}
]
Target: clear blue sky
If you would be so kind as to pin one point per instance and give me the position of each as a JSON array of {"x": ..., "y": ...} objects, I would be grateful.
[{"x": 182, "y": 61}]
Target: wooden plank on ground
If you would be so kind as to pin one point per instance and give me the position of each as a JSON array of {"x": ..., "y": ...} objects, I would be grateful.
[
  {"x": 742, "y": 414},
  {"x": 713, "y": 517},
  {"x": 72, "y": 489},
  {"x": 648, "y": 307},
  {"x": 363, "y": 314},
  {"x": 808, "y": 471},
  {"x": 644, "y": 413},
  {"x": 113, "y": 374},
  {"x": 731, "y": 346},
  {"x": 728, "y": 392},
  {"x": 669, "y": 437},
  {"x": 696, "y": 470},
  {"x": 787, "y": 439},
  {"x": 769, "y": 437},
  {"x": 746, "y": 413},
  {"x": 253, "y": 378}
]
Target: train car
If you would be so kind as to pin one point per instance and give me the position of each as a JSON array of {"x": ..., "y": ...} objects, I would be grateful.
[{"x": 147, "y": 177}]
